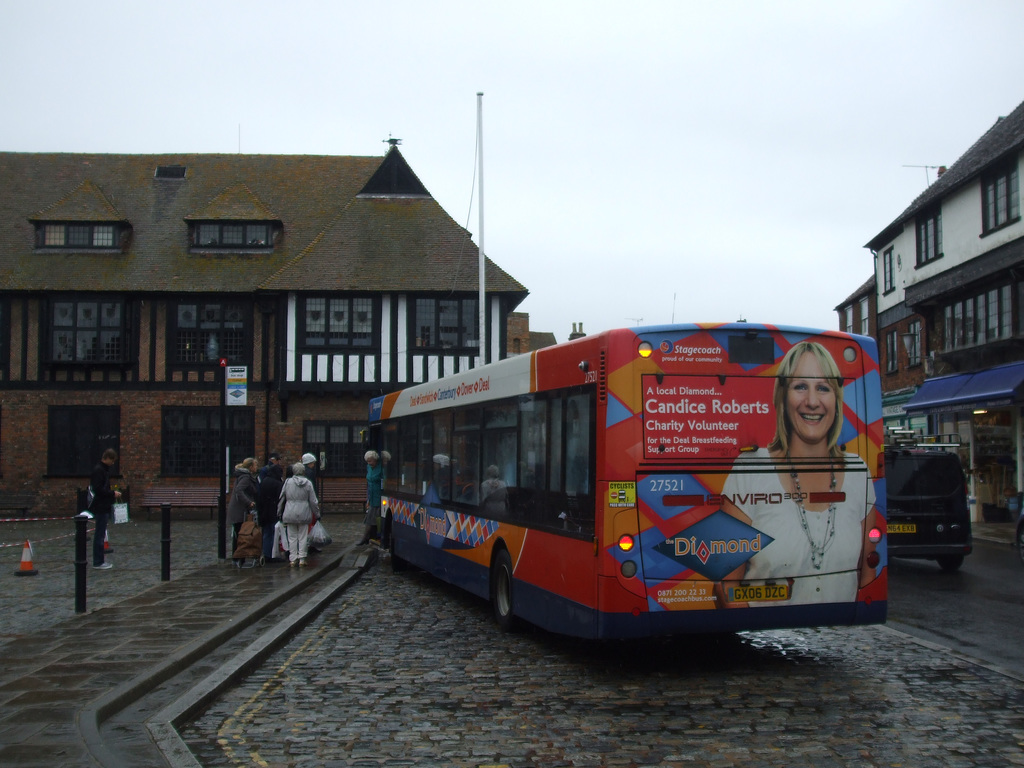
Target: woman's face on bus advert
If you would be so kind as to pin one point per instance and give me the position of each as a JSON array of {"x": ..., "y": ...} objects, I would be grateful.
[{"x": 810, "y": 404}]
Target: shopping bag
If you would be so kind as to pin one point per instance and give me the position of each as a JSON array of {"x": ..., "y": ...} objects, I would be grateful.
[
  {"x": 121, "y": 513},
  {"x": 249, "y": 541},
  {"x": 280, "y": 540},
  {"x": 319, "y": 536}
]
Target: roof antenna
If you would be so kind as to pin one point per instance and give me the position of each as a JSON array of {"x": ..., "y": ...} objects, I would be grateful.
[{"x": 927, "y": 177}]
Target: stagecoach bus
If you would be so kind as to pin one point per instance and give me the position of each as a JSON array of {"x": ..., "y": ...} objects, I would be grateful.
[{"x": 649, "y": 481}]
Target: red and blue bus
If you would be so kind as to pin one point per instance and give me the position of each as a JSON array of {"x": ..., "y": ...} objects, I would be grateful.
[{"x": 659, "y": 480}]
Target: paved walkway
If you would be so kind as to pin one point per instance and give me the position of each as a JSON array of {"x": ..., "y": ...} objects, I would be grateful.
[
  {"x": 73, "y": 684},
  {"x": 105, "y": 688}
]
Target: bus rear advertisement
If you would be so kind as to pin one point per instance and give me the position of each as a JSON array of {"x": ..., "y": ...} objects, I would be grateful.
[{"x": 658, "y": 480}]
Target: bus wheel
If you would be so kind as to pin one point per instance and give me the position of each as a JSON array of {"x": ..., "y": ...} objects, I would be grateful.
[{"x": 501, "y": 591}]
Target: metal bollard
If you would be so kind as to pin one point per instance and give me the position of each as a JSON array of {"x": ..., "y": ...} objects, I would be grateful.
[
  {"x": 165, "y": 542},
  {"x": 81, "y": 559}
]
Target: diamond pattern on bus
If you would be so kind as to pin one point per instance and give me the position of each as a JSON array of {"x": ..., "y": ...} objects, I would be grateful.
[{"x": 470, "y": 530}]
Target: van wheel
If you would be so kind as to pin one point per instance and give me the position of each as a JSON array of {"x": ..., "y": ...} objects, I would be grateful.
[
  {"x": 501, "y": 591},
  {"x": 949, "y": 563}
]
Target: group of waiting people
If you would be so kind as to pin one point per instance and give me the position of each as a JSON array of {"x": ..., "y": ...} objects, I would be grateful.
[
  {"x": 275, "y": 493},
  {"x": 292, "y": 500}
]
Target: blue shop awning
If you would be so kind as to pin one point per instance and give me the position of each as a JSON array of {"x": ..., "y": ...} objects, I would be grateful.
[
  {"x": 936, "y": 393},
  {"x": 991, "y": 388}
]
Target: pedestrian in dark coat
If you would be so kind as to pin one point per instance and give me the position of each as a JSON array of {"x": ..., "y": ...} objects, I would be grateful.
[
  {"x": 266, "y": 506},
  {"x": 102, "y": 505},
  {"x": 243, "y": 495}
]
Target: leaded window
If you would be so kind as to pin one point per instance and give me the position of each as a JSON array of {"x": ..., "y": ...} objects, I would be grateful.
[
  {"x": 1000, "y": 200},
  {"x": 340, "y": 443},
  {"x": 446, "y": 323},
  {"x": 929, "y": 237},
  {"x": 339, "y": 322},
  {"x": 891, "y": 351},
  {"x": 232, "y": 234},
  {"x": 77, "y": 235},
  {"x": 88, "y": 330},
  {"x": 77, "y": 437},
  {"x": 190, "y": 440},
  {"x": 979, "y": 319},
  {"x": 205, "y": 332},
  {"x": 913, "y": 343}
]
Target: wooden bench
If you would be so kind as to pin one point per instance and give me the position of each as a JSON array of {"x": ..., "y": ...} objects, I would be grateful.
[
  {"x": 17, "y": 502},
  {"x": 182, "y": 497},
  {"x": 343, "y": 490}
]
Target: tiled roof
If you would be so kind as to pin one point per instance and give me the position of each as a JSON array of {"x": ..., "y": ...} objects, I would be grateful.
[
  {"x": 866, "y": 288},
  {"x": 541, "y": 339},
  {"x": 332, "y": 238},
  {"x": 84, "y": 203},
  {"x": 235, "y": 203},
  {"x": 371, "y": 246},
  {"x": 1006, "y": 136}
]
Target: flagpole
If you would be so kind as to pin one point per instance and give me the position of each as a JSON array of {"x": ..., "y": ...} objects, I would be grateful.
[{"x": 480, "y": 266}]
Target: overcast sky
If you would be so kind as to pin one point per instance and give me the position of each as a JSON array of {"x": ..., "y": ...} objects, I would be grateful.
[{"x": 643, "y": 161}]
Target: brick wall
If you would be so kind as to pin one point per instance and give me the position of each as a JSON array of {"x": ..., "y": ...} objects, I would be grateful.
[{"x": 23, "y": 435}]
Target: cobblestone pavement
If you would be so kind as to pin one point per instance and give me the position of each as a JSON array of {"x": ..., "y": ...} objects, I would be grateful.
[
  {"x": 31, "y": 603},
  {"x": 404, "y": 671},
  {"x": 91, "y": 689}
]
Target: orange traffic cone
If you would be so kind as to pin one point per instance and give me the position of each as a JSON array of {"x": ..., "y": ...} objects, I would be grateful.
[
  {"x": 26, "y": 562},
  {"x": 107, "y": 549}
]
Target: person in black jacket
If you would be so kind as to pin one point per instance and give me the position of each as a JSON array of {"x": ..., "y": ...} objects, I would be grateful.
[
  {"x": 102, "y": 505},
  {"x": 266, "y": 506}
]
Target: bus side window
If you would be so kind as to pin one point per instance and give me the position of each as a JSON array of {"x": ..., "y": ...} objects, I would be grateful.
[
  {"x": 424, "y": 454},
  {"x": 391, "y": 468},
  {"x": 533, "y": 443},
  {"x": 577, "y": 445},
  {"x": 465, "y": 459},
  {"x": 406, "y": 455},
  {"x": 556, "y": 443}
]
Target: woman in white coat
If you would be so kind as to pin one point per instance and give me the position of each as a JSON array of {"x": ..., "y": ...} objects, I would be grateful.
[{"x": 297, "y": 508}]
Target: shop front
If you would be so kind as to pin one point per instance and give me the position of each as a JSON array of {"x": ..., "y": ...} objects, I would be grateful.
[
  {"x": 984, "y": 409},
  {"x": 895, "y": 416}
]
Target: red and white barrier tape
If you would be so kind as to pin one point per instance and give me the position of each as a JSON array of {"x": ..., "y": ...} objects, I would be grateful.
[
  {"x": 40, "y": 541},
  {"x": 31, "y": 519}
]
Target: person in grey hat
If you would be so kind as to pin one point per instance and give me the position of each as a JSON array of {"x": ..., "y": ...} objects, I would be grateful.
[{"x": 309, "y": 462}]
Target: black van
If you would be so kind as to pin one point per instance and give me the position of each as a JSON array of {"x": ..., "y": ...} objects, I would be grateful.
[{"x": 926, "y": 504}]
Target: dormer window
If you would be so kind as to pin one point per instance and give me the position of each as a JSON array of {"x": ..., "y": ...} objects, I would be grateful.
[
  {"x": 77, "y": 235},
  {"x": 232, "y": 235}
]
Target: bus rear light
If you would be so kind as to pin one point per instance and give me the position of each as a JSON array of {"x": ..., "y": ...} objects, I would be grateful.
[
  {"x": 626, "y": 542},
  {"x": 644, "y": 349},
  {"x": 873, "y": 559},
  {"x": 875, "y": 535},
  {"x": 628, "y": 569}
]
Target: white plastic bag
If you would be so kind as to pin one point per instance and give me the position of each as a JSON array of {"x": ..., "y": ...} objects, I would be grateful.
[
  {"x": 121, "y": 513},
  {"x": 319, "y": 536},
  {"x": 280, "y": 540}
]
